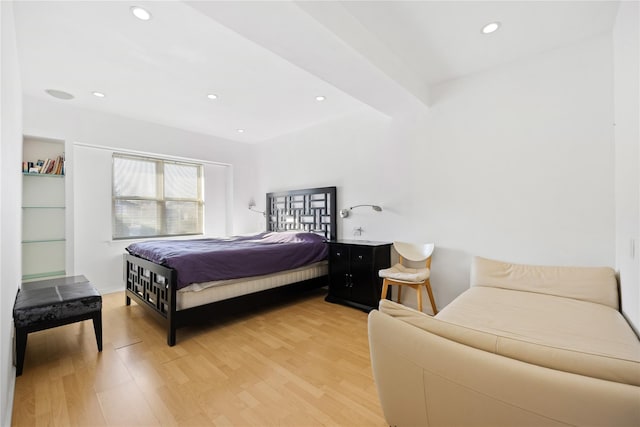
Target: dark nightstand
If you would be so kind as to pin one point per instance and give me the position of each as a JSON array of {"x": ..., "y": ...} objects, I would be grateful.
[{"x": 353, "y": 272}]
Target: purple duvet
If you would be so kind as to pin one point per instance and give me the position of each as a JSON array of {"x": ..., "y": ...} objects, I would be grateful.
[{"x": 207, "y": 260}]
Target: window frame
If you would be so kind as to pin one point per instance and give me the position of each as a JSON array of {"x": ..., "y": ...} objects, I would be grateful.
[{"x": 160, "y": 199}]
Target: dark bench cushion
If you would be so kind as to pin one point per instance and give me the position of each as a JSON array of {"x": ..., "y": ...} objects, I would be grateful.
[{"x": 55, "y": 303}]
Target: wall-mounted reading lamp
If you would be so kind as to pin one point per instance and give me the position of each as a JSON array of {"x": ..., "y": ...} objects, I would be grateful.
[
  {"x": 345, "y": 212},
  {"x": 252, "y": 207}
]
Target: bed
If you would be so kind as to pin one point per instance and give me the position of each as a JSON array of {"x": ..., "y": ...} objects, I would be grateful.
[{"x": 177, "y": 296}]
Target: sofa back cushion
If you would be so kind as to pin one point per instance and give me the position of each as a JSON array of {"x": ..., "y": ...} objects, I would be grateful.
[{"x": 593, "y": 284}]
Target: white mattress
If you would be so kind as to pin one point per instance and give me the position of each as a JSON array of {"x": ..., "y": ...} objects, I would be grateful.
[{"x": 204, "y": 293}]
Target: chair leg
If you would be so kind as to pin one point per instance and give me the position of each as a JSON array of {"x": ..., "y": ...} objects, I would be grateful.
[
  {"x": 419, "y": 296},
  {"x": 433, "y": 301},
  {"x": 385, "y": 287}
]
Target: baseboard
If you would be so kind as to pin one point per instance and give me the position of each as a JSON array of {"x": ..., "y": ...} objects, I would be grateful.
[
  {"x": 110, "y": 290},
  {"x": 12, "y": 381},
  {"x": 12, "y": 388}
]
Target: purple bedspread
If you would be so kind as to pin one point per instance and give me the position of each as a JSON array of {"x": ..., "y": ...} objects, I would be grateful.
[{"x": 206, "y": 260}]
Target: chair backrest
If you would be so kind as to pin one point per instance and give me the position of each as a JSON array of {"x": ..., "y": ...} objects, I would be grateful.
[{"x": 414, "y": 251}]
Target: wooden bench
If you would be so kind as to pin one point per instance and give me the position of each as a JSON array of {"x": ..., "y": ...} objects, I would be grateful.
[{"x": 55, "y": 302}]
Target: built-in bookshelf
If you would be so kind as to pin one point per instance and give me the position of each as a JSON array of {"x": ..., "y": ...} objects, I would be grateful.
[{"x": 43, "y": 209}]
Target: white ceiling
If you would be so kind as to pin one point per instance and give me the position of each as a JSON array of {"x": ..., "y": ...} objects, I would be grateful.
[{"x": 267, "y": 61}]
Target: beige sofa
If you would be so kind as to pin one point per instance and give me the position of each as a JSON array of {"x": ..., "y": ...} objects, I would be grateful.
[{"x": 525, "y": 345}]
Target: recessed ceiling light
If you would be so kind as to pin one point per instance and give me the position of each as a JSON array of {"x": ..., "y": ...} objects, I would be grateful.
[
  {"x": 490, "y": 27},
  {"x": 140, "y": 13},
  {"x": 320, "y": 98},
  {"x": 98, "y": 94},
  {"x": 59, "y": 94},
  {"x": 212, "y": 96},
  {"x": 240, "y": 130}
]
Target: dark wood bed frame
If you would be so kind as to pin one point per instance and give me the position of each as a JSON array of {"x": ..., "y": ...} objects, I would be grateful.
[{"x": 154, "y": 286}]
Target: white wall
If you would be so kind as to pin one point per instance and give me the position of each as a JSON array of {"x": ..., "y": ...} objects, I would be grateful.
[
  {"x": 10, "y": 202},
  {"x": 515, "y": 163},
  {"x": 88, "y": 178},
  {"x": 626, "y": 38}
]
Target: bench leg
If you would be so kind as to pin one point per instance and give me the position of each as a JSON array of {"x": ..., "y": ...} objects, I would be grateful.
[
  {"x": 21, "y": 348},
  {"x": 127, "y": 300},
  {"x": 97, "y": 327}
]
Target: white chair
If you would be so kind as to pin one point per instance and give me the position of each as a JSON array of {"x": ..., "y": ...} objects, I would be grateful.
[{"x": 415, "y": 278}]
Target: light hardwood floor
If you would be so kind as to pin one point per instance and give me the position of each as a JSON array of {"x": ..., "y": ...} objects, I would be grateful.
[{"x": 302, "y": 363}]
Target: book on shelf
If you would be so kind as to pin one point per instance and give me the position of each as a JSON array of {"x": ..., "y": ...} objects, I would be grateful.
[{"x": 45, "y": 167}]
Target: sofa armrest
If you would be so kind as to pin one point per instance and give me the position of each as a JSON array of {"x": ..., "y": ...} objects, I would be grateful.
[{"x": 607, "y": 367}]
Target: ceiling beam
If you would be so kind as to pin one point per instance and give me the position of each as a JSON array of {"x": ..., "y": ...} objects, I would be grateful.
[{"x": 328, "y": 42}]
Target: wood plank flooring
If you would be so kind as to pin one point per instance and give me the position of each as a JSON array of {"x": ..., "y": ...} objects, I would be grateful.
[{"x": 301, "y": 363}]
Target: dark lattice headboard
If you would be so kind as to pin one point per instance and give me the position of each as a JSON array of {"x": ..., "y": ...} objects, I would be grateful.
[{"x": 313, "y": 210}]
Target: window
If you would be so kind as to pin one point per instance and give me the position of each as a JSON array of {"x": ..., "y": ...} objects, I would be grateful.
[{"x": 155, "y": 197}]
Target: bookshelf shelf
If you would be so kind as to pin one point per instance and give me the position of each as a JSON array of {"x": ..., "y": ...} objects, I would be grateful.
[
  {"x": 43, "y": 275},
  {"x": 43, "y": 212},
  {"x": 43, "y": 175}
]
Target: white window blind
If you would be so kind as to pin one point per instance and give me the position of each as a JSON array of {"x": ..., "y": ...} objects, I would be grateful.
[{"x": 156, "y": 197}]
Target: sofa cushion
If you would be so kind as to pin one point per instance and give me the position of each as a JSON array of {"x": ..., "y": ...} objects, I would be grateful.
[
  {"x": 595, "y": 284},
  {"x": 545, "y": 333}
]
